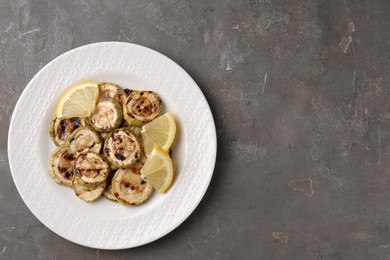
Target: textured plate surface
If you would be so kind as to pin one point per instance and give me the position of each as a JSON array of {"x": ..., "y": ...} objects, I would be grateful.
[{"x": 104, "y": 224}]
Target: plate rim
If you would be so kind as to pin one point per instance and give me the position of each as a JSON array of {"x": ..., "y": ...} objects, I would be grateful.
[{"x": 213, "y": 152}]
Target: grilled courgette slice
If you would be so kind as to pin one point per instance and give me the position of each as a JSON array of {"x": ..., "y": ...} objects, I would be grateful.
[
  {"x": 129, "y": 188},
  {"x": 141, "y": 107},
  {"x": 61, "y": 166},
  {"x": 122, "y": 148},
  {"x": 109, "y": 90},
  {"x": 91, "y": 168},
  {"x": 88, "y": 193},
  {"x": 107, "y": 116},
  {"x": 61, "y": 129},
  {"x": 83, "y": 140}
]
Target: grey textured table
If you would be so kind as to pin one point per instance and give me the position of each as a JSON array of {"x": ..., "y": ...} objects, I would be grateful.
[{"x": 301, "y": 99}]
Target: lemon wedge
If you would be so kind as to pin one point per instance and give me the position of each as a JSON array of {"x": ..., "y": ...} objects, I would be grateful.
[
  {"x": 160, "y": 132},
  {"x": 158, "y": 170},
  {"x": 78, "y": 101}
]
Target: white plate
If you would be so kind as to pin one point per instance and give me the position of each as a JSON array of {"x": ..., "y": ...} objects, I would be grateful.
[{"x": 105, "y": 224}]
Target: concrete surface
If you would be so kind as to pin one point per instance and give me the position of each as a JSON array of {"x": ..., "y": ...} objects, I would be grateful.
[{"x": 301, "y": 98}]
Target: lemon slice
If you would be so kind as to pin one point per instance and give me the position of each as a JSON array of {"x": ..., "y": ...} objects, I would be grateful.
[
  {"x": 78, "y": 101},
  {"x": 161, "y": 131},
  {"x": 158, "y": 170}
]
